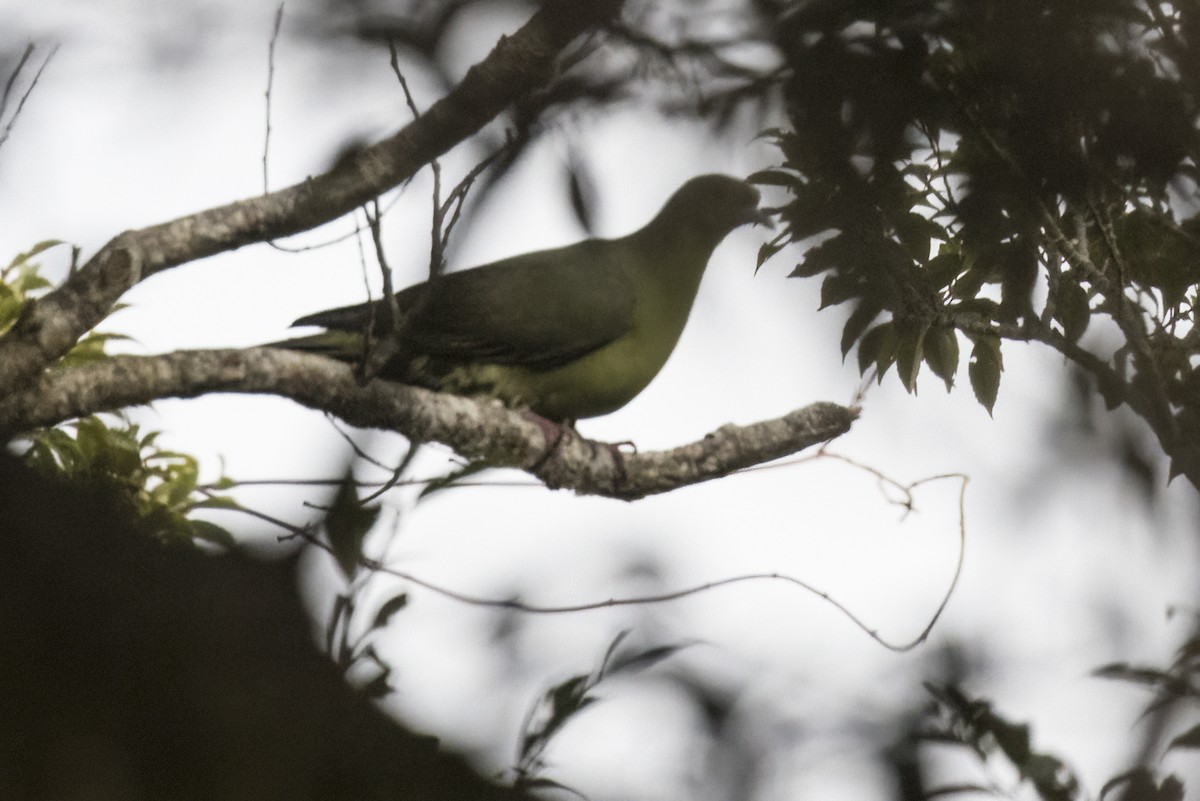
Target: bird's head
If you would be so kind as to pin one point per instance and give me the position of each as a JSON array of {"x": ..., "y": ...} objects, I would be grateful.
[{"x": 717, "y": 203}]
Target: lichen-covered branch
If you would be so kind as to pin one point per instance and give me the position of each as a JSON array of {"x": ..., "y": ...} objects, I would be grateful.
[
  {"x": 518, "y": 64},
  {"x": 476, "y": 429}
]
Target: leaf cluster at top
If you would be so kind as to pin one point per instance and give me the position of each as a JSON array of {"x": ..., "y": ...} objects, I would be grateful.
[{"x": 992, "y": 169}]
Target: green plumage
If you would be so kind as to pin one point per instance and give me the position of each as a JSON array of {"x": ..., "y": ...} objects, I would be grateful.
[{"x": 572, "y": 332}]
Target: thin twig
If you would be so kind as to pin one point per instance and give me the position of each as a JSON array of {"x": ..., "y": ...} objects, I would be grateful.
[
  {"x": 28, "y": 91},
  {"x": 398, "y": 474},
  {"x": 395, "y": 62},
  {"x": 12, "y": 78},
  {"x": 459, "y": 194},
  {"x": 358, "y": 451},
  {"x": 906, "y": 502},
  {"x": 267, "y": 93}
]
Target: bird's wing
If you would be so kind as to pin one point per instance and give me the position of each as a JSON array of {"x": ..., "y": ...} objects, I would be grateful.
[{"x": 537, "y": 310}]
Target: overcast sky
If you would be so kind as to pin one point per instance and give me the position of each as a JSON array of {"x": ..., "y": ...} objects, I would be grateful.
[{"x": 144, "y": 115}]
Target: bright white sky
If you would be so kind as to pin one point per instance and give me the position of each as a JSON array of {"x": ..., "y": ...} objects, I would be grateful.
[{"x": 118, "y": 136}]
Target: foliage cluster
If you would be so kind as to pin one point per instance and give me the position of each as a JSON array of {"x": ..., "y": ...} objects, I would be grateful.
[
  {"x": 1019, "y": 170},
  {"x": 161, "y": 487}
]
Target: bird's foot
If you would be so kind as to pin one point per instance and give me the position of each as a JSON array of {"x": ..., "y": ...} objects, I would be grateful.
[
  {"x": 556, "y": 433},
  {"x": 553, "y": 433},
  {"x": 618, "y": 457}
]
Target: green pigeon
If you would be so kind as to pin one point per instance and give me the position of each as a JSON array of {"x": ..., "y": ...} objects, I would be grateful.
[{"x": 571, "y": 332}]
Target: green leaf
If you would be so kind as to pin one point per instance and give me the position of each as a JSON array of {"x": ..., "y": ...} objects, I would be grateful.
[
  {"x": 346, "y": 526},
  {"x": 22, "y": 258},
  {"x": 910, "y": 350},
  {"x": 1071, "y": 308},
  {"x": 1139, "y": 785},
  {"x": 978, "y": 269},
  {"x": 775, "y": 178},
  {"x": 943, "y": 268},
  {"x": 184, "y": 483},
  {"x": 1189, "y": 739},
  {"x": 984, "y": 370},
  {"x": 878, "y": 348},
  {"x": 941, "y": 354},
  {"x": 211, "y": 532},
  {"x": 956, "y": 789},
  {"x": 1123, "y": 671},
  {"x": 641, "y": 660},
  {"x": 377, "y": 687},
  {"x": 10, "y": 307},
  {"x": 224, "y": 483},
  {"x": 915, "y": 231},
  {"x": 863, "y": 315},
  {"x": 92, "y": 348},
  {"x": 217, "y": 502},
  {"x": 393, "y": 605},
  {"x": 769, "y": 249},
  {"x": 451, "y": 479},
  {"x": 839, "y": 288}
]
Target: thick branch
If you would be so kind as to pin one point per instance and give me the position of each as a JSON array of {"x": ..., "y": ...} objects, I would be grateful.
[
  {"x": 474, "y": 428},
  {"x": 50, "y": 326}
]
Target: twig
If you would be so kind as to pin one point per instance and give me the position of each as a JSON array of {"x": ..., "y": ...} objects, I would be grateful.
[
  {"x": 12, "y": 78},
  {"x": 267, "y": 93},
  {"x": 414, "y": 446},
  {"x": 354, "y": 447},
  {"x": 395, "y": 62},
  {"x": 458, "y": 195},
  {"x": 674, "y": 595},
  {"x": 437, "y": 242},
  {"x": 25, "y": 96}
]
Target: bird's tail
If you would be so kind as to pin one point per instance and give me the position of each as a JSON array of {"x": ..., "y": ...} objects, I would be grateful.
[{"x": 342, "y": 345}]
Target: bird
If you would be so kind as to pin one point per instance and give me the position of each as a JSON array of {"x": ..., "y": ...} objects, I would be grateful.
[{"x": 567, "y": 333}]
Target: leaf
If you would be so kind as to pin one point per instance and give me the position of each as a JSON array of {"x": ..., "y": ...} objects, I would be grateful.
[
  {"x": 941, "y": 354},
  {"x": 393, "y": 605},
  {"x": 978, "y": 269},
  {"x": 956, "y": 789},
  {"x": 774, "y": 178},
  {"x": 580, "y": 190},
  {"x": 863, "y": 315},
  {"x": 839, "y": 288},
  {"x": 181, "y": 488},
  {"x": 346, "y": 526},
  {"x": 217, "y": 502},
  {"x": 915, "y": 231},
  {"x": 878, "y": 348},
  {"x": 611, "y": 650},
  {"x": 211, "y": 532},
  {"x": 22, "y": 258},
  {"x": 1171, "y": 789},
  {"x": 450, "y": 479},
  {"x": 1140, "y": 785},
  {"x": 1189, "y": 739},
  {"x": 769, "y": 249},
  {"x": 1071, "y": 308},
  {"x": 643, "y": 659},
  {"x": 1019, "y": 268},
  {"x": 542, "y": 783},
  {"x": 984, "y": 370},
  {"x": 92, "y": 348},
  {"x": 377, "y": 687},
  {"x": 910, "y": 350},
  {"x": 943, "y": 268},
  {"x": 1123, "y": 671}
]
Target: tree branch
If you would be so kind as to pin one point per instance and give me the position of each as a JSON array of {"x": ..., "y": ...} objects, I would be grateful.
[
  {"x": 52, "y": 324},
  {"x": 476, "y": 429}
]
